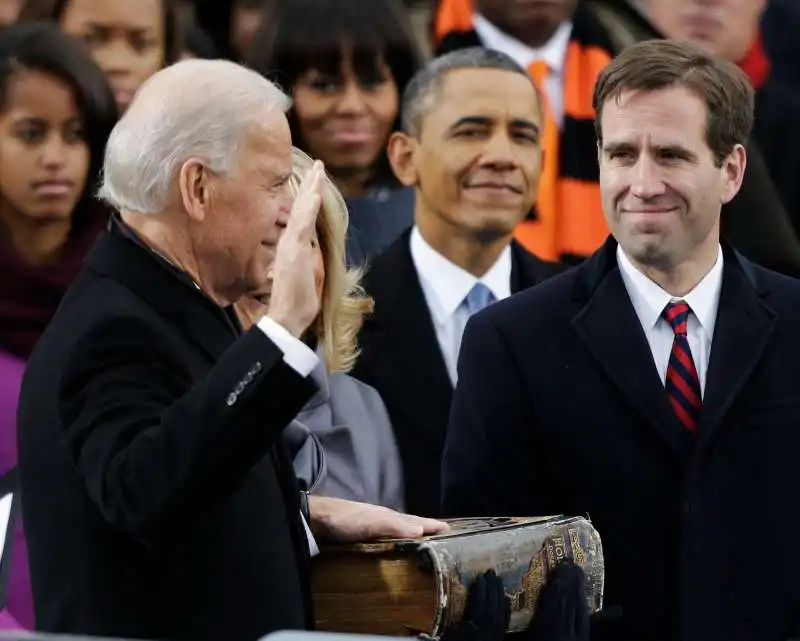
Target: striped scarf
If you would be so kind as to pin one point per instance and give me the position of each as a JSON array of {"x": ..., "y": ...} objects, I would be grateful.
[{"x": 567, "y": 222}]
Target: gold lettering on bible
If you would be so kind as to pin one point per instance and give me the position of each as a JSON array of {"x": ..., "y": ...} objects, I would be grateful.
[{"x": 578, "y": 555}]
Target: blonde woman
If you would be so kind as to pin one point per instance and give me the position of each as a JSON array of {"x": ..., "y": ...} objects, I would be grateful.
[{"x": 342, "y": 442}]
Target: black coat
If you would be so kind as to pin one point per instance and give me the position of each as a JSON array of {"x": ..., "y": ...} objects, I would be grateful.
[
  {"x": 401, "y": 358},
  {"x": 158, "y": 498},
  {"x": 560, "y": 409},
  {"x": 777, "y": 132},
  {"x": 780, "y": 24}
]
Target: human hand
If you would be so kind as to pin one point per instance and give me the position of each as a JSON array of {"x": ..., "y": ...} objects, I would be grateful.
[
  {"x": 293, "y": 299},
  {"x": 337, "y": 520}
]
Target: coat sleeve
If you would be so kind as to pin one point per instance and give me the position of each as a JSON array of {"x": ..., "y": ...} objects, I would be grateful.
[
  {"x": 156, "y": 450},
  {"x": 489, "y": 464}
]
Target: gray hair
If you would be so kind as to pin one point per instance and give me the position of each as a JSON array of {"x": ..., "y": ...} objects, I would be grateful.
[
  {"x": 192, "y": 109},
  {"x": 422, "y": 91}
]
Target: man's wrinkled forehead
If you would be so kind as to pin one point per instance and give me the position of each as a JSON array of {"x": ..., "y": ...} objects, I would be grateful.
[{"x": 667, "y": 120}]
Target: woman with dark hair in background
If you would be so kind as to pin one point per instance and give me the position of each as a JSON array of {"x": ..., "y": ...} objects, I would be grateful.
[
  {"x": 8, "y": 11},
  {"x": 129, "y": 39},
  {"x": 346, "y": 63},
  {"x": 56, "y": 112},
  {"x": 231, "y": 24},
  {"x": 246, "y": 18}
]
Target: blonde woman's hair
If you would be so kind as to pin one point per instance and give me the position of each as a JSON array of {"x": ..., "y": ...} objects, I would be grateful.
[{"x": 344, "y": 303}]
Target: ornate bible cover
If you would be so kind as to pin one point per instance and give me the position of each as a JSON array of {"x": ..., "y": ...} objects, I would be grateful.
[{"x": 408, "y": 587}]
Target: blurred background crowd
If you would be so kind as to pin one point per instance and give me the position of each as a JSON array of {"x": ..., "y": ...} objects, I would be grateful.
[{"x": 69, "y": 68}]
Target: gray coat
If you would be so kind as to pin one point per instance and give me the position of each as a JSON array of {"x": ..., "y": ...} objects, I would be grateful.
[{"x": 343, "y": 445}]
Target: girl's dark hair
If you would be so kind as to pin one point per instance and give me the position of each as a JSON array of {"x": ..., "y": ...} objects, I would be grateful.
[
  {"x": 40, "y": 10},
  {"x": 43, "y": 47},
  {"x": 312, "y": 34}
]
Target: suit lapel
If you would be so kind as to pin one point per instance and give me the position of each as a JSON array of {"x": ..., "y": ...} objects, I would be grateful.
[
  {"x": 528, "y": 270},
  {"x": 743, "y": 328},
  {"x": 129, "y": 262},
  {"x": 608, "y": 325},
  {"x": 402, "y": 313}
]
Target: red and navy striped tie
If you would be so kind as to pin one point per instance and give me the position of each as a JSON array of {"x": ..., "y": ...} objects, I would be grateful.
[{"x": 683, "y": 384}]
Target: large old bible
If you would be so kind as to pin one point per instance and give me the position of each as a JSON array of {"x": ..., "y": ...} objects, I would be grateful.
[{"x": 411, "y": 587}]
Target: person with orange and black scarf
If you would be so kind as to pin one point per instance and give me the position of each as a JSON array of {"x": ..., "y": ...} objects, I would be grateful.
[
  {"x": 564, "y": 49},
  {"x": 565, "y": 44}
]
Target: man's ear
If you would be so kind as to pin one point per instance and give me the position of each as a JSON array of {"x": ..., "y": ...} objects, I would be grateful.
[
  {"x": 400, "y": 150},
  {"x": 195, "y": 188},
  {"x": 733, "y": 168}
]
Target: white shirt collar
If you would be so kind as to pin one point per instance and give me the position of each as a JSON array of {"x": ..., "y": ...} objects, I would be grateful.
[
  {"x": 553, "y": 52},
  {"x": 649, "y": 299},
  {"x": 450, "y": 283}
]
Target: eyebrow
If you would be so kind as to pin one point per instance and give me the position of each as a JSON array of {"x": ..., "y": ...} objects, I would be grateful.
[
  {"x": 484, "y": 121},
  {"x": 676, "y": 150},
  {"x": 100, "y": 26},
  {"x": 41, "y": 121},
  {"x": 612, "y": 147},
  {"x": 30, "y": 120}
]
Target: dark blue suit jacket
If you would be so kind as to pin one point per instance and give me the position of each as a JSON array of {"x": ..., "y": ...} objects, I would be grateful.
[{"x": 559, "y": 409}]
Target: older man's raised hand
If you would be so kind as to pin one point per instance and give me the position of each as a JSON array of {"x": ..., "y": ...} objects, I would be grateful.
[{"x": 294, "y": 302}]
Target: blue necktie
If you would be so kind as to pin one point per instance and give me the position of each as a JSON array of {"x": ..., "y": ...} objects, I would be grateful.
[{"x": 479, "y": 296}]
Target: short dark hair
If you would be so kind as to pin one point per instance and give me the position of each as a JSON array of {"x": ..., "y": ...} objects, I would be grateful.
[
  {"x": 422, "y": 92},
  {"x": 652, "y": 65},
  {"x": 301, "y": 35},
  {"x": 41, "y": 46},
  {"x": 40, "y": 10}
]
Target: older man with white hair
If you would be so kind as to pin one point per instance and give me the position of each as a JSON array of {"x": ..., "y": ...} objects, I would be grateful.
[{"x": 159, "y": 501}]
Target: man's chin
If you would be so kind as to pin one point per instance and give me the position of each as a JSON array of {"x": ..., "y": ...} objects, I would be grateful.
[
  {"x": 492, "y": 235},
  {"x": 495, "y": 228},
  {"x": 649, "y": 253}
]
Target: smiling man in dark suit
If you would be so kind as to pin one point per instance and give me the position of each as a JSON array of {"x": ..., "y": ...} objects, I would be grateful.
[
  {"x": 471, "y": 149},
  {"x": 655, "y": 386}
]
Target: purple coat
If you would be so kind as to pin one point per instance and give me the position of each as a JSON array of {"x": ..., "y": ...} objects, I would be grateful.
[{"x": 18, "y": 612}]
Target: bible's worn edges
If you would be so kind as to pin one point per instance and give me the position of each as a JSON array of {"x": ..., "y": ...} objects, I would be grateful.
[{"x": 521, "y": 550}]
